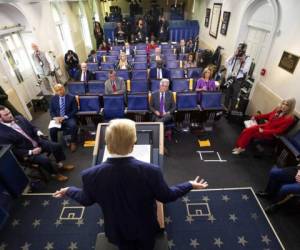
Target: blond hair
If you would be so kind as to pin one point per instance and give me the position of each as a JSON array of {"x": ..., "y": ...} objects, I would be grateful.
[
  {"x": 120, "y": 136},
  {"x": 291, "y": 103},
  {"x": 206, "y": 70},
  {"x": 58, "y": 86}
]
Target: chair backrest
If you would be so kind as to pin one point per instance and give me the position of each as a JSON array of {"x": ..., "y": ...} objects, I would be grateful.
[
  {"x": 186, "y": 101},
  {"x": 165, "y": 46},
  {"x": 117, "y": 48},
  {"x": 101, "y": 75},
  {"x": 114, "y": 52},
  {"x": 152, "y": 64},
  {"x": 141, "y": 52},
  {"x": 89, "y": 104},
  {"x": 139, "y": 74},
  {"x": 295, "y": 140},
  {"x": 154, "y": 84},
  {"x": 182, "y": 57},
  {"x": 176, "y": 73},
  {"x": 112, "y": 59},
  {"x": 140, "y": 46},
  {"x": 137, "y": 102},
  {"x": 124, "y": 73},
  {"x": 211, "y": 100},
  {"x": 139, "y": 86},
  {"x": 140, "y": 58},
  {"x": 113, "y": 106},
  {"x": 100, "y": 53},
  {"x": 194, "y": 72},
  {"x": 93, "y": 67},
  {"x": 76, "y": 88},
  {"x": 172, "y": 64},
  {"x": 170, "y": 57},
  {"x": 107, "y": 66},
  {"x": 96, "y": 87},
  {"x": 140, "y": 65},
  {"x": 180, "y": 85}
]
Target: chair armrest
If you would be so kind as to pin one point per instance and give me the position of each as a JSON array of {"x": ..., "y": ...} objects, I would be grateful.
[{"x": 290, "y": 146}]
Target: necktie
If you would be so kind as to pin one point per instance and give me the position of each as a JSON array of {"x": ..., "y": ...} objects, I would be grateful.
[
  {"x": 182, "y": 50},
  {"x": 84, "y": 76},
  {"x": 161, "y": 105},
  {"x": 62, "y": 106},
  {"x": 114, "y": 86},
  {"x": 17, "y": 128},
  {"x": 158, "y": 73}
]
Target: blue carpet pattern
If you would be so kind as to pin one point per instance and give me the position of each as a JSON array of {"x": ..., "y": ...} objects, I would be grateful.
[
  {"x": 40, "y": 222},
  {"x": 219, "y": 219}
]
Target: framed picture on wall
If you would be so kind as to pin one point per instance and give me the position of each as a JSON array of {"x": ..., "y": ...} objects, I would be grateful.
[
  {"x": 215, "y": 20},
  {"x": 288, "y": 61},
  {"x": 207, "y": 16},
  {"x": 225, "y": 22}
]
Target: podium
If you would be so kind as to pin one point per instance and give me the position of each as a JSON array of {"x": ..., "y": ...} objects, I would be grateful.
[{"x": 148, "y": 133}]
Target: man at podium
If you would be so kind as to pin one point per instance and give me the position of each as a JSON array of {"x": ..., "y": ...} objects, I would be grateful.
[{"x": 127, "y": 190}]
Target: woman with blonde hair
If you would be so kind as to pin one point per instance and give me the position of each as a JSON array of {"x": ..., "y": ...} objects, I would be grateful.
[
  {"x": 123, "y": 62},
  {"x": 277, "y": 122}
]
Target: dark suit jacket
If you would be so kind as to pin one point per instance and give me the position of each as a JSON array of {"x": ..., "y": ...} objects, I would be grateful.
[
  {"x": 21, "y": 145},
  {"x": 153, "y": 73},
  {"x": 186, "y": 50},
  {"x": 164, "y": 36},
  {"x": 169, "y": 102},
  {"x": 70, "y": 106},
  {"x": 131, "y": 51},
  {"x": 89, "y": 75},
  {"x": 126, "y": 190}
]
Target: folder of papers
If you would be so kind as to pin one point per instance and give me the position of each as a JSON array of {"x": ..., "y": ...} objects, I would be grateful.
[
  {"x": 204, "y": 143},
  {"x": 53, "y": 124},
  {"x": 250, "y": 123}
]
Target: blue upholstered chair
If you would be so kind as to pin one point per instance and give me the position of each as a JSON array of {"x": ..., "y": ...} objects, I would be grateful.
[
  {"x": 140, "y": 46},
  {"x": 137, "y": 103},
  {"x": 107, "y": 65},
  {"x": 180, "y": 85},
  {"x": 117, "y": 48},
  {"x": 138, "y": 86},
  {"x": 140, "y": 65},
  {"x": 112, "y": 59},
  {"x": 140, "y": 58},
  {"x": 176, "y": 73},
  {"x": 76, "y": 88},
  {"x": 113, "y": 106},
  {"x": 101, "y": 75},
  {"x": 96, "y": 87},
  {"x": 170, "y": 64},
  {"x": 186, "y": 101},
  {"x": 93, "y": 67},
  {"x": 139, "y": 74},
  {"x": 114, "y": 53},
  {"x": 194, "y": 73},
  {"x": 141, "y": 52},
  {"x": 211, "y": 101},
  {"x": 124, "y": 73},
  {"x": 88, "y": 105},
  {"x": 154, "y": 85}
]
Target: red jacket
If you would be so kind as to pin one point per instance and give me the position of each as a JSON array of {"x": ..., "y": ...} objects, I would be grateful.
[{"x": 275, "y": 124}]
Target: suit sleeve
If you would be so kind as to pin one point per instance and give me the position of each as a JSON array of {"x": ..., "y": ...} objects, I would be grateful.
[
  {"x": 164, "y": 193},
  {"x": 82, "y": 196},
  {"x": 264, "y": 116},
  {"x": 122, "y": 87},
  {"x": 107, "y": 88}
]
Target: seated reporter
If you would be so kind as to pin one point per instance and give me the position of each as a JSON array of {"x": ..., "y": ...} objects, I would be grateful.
[
  {"x": 277, "y": 122},
  {"x": 126, "y": 189},
  {"x": 115, "y": 84},
  {"x": 159, "y": 71},
  {"x": 282, "y": 182},
  {"x": 28, "y": 145},
  {"x": 63, "y": 109},
  {"x": 162, "y": 103},
  {"x": 123, "y": 62}
]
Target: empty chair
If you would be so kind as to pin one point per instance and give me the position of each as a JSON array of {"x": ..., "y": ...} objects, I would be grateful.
[
  {"x": 154, "y": 85},
  {"x": 113, "y": 106},
  {"x": 141, "y": 52},
  {"x": 137, "y": 102},
  {"x": 170, "y": 64},
  {"x": 211, "y": 100},
  {"x": 101, "y": 75},
  {"x": 124, "y": 73},
  {"x": 114, "y": 53},
  {"x": 111, "y": 59},
  {"x": 138, "y": 86},
  {"x": 96, "y": 87},
  {"x": 76, "y": 88},
  {"x": 93, "y": 67},
  {"x": 140, "y": 46},
  {"x": 100, "y": 54},
  {"x": 176, "y": 73},
  {"x": 107, "y": 65},
  {"x": 180, "y": 85},
  {"x": 164, "y": 46},
  {"x": 186, "y": 101},
  {"x": 170, "y": 57},
  {"x": 88, "y": 105},
  {"x": 194, "y": 73},
  {"x": 139, "y": 74},
  {"x": 182, "y": 57},
  {"x": 140, "y": 58},
  {"x": 117, "y": 48},
  {"x": 140, "y": 65}
]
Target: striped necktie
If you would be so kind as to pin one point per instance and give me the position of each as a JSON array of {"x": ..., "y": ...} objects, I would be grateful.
[
  {"x": 17, "y": 128},
  {"x": 62, "y": 106}
]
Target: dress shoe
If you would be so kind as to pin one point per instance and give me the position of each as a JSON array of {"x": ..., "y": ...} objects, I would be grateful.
[
  {"x": 262, "y": 194},
  {"x": 73, "y": 147},
  {"x": 68, "y": 167},
  {"x": 234, "y": 149},
  {"x": 60, "y": 177}
]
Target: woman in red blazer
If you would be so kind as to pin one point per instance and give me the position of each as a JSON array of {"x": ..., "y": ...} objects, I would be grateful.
[{"x": 277, "y": 122}]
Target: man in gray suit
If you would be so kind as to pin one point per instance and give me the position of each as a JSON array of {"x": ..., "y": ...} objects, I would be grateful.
[
  {"x": 114, "y": 85},
  {"x": 162, "y": 103}
]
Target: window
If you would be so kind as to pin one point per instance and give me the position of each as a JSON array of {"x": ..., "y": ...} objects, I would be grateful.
[
  {"x": 84, "y": 27},
  {"x": 95, "y": 11},
  {"x": 62, "y": 29}
]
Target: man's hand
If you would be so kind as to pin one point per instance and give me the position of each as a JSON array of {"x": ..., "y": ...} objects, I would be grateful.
[
  {"x": 199, "y": 184},
  {"x": 253, "y": 118},
  {"x": 297, "y": 177},
  {"x": 60, "y": 193},
  {"x": 260, "y": 130},
  {"x": 59, "y": 119},
  {"x": 156, "y": 113},
  {"x": 36, "y": 151}
]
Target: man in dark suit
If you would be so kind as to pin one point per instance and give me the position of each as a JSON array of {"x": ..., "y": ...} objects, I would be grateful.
[
  {"x": 182, "y": 49},
  {"x": 84, "y": 75},
  {"x": 162, "y": 103},
  {"x": 127, "y": 50},
  {"x": 28, "y": 145},
  {"x": 163, "y": 32},
  {"x": 126, "y": 190},
  {"x": 159, "y": 72},
  {"x": 63, "y": 109}
]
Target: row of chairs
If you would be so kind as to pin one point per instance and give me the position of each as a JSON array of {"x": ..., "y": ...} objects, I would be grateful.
[
  {"x": 113, "y": 106},
  {"x": 96, "y": 87}
]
